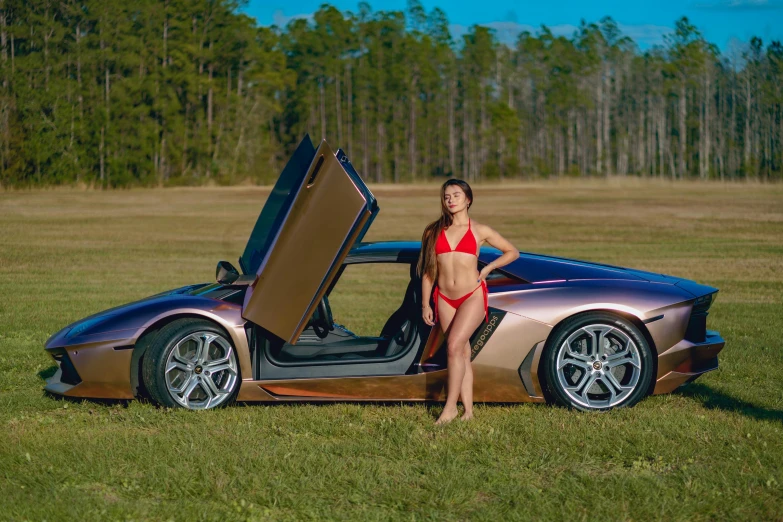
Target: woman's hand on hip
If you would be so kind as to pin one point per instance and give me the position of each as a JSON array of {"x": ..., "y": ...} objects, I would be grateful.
[{"x": 484, "y": 273}]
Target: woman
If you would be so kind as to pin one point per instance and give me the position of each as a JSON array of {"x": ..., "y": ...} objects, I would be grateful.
[{"x": 458, "y": 306}]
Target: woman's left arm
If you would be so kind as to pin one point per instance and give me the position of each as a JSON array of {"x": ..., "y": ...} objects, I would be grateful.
[{"x": 493, "y": 238}]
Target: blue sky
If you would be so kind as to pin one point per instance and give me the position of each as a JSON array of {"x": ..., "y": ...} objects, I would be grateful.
[{"x": 727, "y": 23}]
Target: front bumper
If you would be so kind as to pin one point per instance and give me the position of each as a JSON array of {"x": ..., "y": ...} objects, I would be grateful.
[
  {"x": 95, "y": 366},
  {"x": 686, "y": 360}
]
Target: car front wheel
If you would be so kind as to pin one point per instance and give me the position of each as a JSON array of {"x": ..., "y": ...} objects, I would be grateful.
[
  {"x": 597, "y": 361},
  {"x": 191, "y": 364}
]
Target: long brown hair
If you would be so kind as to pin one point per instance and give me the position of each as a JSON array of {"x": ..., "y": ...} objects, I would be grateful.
[{"x": 427, "y": 263}]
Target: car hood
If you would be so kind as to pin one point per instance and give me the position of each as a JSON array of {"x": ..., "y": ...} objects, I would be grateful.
[{"x": 91, "y": 321}]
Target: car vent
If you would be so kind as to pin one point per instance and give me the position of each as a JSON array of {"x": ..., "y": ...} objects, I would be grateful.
[
  {"x": 696, "y": 332},
  {"x": 219, "y": 294},
  {"x": 236, "y": 297},
  {"x": 69, "y": 374},
  {"x": 229, "y": 294}
]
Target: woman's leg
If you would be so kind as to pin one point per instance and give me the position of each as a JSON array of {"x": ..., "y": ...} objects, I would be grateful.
[
  {"x": 446, "y": 314},
  {"x": 465, "y": 321},
  {"x": 466, "y": 391}
]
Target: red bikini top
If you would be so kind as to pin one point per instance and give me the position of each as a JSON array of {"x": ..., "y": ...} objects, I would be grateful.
[{"x": 467, "y": 244}]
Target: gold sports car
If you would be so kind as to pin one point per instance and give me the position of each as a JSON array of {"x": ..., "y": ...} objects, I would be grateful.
[{"x": 585, "y": 335}]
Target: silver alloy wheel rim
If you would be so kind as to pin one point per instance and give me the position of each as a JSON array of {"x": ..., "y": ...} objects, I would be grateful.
[
  {"x": 598, "y": 366},
  {"x": 201, "y": 370}
]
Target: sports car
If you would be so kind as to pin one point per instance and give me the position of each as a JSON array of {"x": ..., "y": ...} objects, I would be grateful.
[{"x": 585, "y": 335}]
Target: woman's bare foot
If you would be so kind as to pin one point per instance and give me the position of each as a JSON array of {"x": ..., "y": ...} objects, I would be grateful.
[
  {"x": 466, "y": 416},
  {"x": 447, "y": 415}
]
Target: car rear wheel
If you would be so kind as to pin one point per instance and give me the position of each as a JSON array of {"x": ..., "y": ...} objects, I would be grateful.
[
  {"x": 597, "y": 361},
  {"x": 191, "y": 364}
]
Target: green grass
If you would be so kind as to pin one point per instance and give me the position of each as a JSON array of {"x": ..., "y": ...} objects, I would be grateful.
[{"x": 712, "y": 450}]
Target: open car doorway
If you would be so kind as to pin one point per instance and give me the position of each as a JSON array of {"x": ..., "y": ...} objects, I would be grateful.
[{"x": 368, "y": 322}]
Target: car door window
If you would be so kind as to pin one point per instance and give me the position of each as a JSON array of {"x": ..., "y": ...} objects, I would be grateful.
[{"x": 367, "y": 294}]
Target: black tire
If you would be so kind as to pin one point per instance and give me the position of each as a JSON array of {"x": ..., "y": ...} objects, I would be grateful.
[
  {"x": 188, "y": 331},
  {"x": 563, "y": 386}
]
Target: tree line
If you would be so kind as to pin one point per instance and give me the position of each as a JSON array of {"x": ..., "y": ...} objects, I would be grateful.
[{"x": 150, "y": 92}]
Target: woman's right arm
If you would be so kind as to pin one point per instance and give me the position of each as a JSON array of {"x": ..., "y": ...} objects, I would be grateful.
[
  {"x": 426, "y": 290},
  {"x": 426, "y": 285}
]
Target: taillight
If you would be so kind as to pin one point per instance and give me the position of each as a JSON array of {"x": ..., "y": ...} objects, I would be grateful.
[{"x": 696, "y": 332}]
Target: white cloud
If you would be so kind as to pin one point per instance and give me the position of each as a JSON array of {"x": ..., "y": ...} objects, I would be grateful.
[
  {"x": 735, "y": 48},
  {"x": 739, "y": 5},
  {"x": 507, "y": 32},
  {"x": 647, "y": 34},
  {"x": 280, "y": 19}
]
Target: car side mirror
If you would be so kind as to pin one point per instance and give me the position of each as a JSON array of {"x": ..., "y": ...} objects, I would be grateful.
[{"x": 225, "y": 273}]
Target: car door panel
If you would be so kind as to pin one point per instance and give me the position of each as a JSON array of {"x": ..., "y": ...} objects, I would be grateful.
[{"x": 331, "y": 211}]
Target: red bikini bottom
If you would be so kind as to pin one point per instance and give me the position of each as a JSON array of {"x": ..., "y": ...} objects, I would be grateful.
[{"x": 455, "y": 303}]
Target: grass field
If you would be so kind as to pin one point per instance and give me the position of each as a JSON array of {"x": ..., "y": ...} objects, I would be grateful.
[{"x": 712, "y": 450}]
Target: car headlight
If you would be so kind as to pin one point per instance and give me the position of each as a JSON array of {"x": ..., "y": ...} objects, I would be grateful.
[{"x": 83, "y": 326}]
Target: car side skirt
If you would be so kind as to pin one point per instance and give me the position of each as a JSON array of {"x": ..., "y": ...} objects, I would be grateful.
[{"x": 498, "y": 348}]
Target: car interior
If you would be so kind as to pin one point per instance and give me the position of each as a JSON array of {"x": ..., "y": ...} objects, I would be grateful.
[
  {"x": 323, "y": 339},
  {"x": 327, "y": 348}
]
